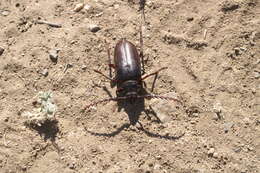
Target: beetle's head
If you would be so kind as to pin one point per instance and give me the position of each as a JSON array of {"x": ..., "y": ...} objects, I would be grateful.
[{"x": 129, "y": 89}]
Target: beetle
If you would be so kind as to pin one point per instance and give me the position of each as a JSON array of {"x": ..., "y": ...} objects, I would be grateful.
[{"x": 129, "y": 70}]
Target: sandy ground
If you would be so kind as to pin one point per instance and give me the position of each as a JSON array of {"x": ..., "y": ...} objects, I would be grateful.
[{"x": 211, "y": 49}]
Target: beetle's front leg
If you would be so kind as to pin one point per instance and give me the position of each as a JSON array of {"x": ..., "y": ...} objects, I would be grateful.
[{"x": 109, "y": 60}]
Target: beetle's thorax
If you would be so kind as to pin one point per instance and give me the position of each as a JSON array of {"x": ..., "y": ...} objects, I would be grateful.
[{"x": 129, "y": 88}]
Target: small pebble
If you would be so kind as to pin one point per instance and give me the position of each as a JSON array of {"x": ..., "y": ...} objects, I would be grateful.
[
  {"x": 215, "y": 155},
  {"x": 237, "y": 51},
  {"x": 256, "y": 73},
  {"x": 247, "y": 121},
  {"x": 243, "y": 49},
  {"x": 228, "y": 126},
  {"x": 217, "y": 108},
  {"x": 1, "y": 51},
  {"x": 189, "y": 19},
  {"x": 53, "y": 55},
  {"x": 193, "y": 122},
  {"x": 116, "y": 6},
  {"x": 45, "y": 72},
  {"x": 72, "y": 165},
  {"x": 250, "y": 148},
  {"x": 157, "y": 167},
  {"x": 5, "y": 13},
  {"x": 94, "y": 28},
  {"x": 158, "y": 157},
  {"x": 78, "y": 7},
  {"x": 87, "y": 7},
  {"x": 149, "y": 3},
  {"x": 211, "y": 151},
  {"x": 84, "y": 67}
]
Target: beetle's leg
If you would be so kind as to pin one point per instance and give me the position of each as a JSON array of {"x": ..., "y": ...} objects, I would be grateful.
[
  {"x": 112, "y": 66},
  {"x": 109, "y": 59},
  {"x": 156, "y": 75},
  {"x": 107, "y": 91},
  {"x": 97, "y": 71}
]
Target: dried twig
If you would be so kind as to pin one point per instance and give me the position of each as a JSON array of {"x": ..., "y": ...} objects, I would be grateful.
[{"x": 49, "y": 23}]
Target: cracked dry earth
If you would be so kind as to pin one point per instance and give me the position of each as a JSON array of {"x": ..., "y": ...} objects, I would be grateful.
[{"x": 211, "y": 49}]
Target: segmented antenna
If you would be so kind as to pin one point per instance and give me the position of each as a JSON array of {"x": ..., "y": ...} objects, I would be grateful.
[
  {"x": 141, "y": 8},
  {"x": 160, "y": 97}
]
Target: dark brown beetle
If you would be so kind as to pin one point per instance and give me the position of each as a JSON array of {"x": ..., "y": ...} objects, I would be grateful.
[{"x": 128, "y": 69}]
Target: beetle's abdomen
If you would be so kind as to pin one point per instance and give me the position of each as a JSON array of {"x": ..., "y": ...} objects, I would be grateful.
[{"x": 127, "y": 61}]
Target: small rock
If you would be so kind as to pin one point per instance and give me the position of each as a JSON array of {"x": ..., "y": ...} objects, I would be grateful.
[
  {"x": 87, "y": 7},
  {"x": 84, "y": 67},
  {"x": 72, "y": 165},
  {"x": 54, "y": 55},
  {"x": 99, "y": 14},
  {"x": 116, "y": 6},
  {"x": 45, "y": 72},
  {"x": 215, "y": 155},
  {"x": 257, "y": 122},
  {"x": 217, "y": 108},
  {"x": 157, "y": 167},
  {"x": 237, "y": 51},
  {"x": 211, "y": 152},
  {"x": 227, "y": 6},
  {"x": 1, "y": 51},
  {"x": 247, "y": 121},
  {"x": 78, "y": 7},
  {"x": 228, "y": 126},
  {"x": 243, "y": 49},
  {"x": 256, "y": 73},
  {"x": 149, "y": 3},
  {"x": 158, "y": 157},
  {"x": 189, "y": 19},
  {"x": 5, "y": 13},
  {"x": 250, "y": 148},
  {"x": 94, "y": 28},
  {"x": 69, "y": 66},
  {"x": 193, "y": 122}
]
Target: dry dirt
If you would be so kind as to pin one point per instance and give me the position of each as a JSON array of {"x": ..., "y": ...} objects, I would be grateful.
[{"x": 216, "y": 75}]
